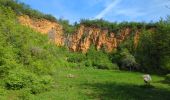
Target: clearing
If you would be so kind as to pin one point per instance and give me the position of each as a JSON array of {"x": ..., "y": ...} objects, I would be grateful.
[{"x": 93, "y": 84}]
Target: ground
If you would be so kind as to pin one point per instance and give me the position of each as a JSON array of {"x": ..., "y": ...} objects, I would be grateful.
[{"x": 93, "y": 84}]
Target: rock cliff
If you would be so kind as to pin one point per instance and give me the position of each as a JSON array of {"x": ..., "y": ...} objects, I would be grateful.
[
  {"x": 83, "y": 37},
  {"x": 102, "y": 39},
  {"x": 52, "y": 29}
]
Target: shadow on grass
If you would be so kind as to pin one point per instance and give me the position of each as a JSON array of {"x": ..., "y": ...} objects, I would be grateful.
[
  {"x": 165, "y": 81},
  {"x": 115, "y": 91}
]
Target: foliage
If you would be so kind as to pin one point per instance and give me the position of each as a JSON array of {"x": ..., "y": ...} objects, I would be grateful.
[
  {"x": 68, "y": 29},
  {"x": 93, "y": 58},
  {"x": 27, "y": 60},
  {"x": 114, "y": 26},
  {"x": 99, "y": 59},
  {"x": 145, "y": 50},
  {"x": 153, "y": 51},
  {"x": 76, "y": 57},
  {"x": 125, "y": 60},
  {"x": 162, "y": 47},
  {"x": 21, "y": 8},
  {"x": 168, "y": 77}
]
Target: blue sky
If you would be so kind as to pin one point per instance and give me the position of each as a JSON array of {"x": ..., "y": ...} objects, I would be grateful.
[{"x": 111, "y": 10}]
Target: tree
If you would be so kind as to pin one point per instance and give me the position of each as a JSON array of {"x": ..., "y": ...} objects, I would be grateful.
[
  {"x": 153, "y": 51},
  {"x": 162, "y": 45},
  {"x": 127, "y": 60},
  {"x": 144, "y": 51}
]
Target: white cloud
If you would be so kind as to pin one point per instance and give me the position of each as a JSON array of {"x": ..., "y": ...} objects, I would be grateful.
[
  {"x": 132, "y": 13},
  {"x": 107, "y": 9},
  {"x": 152, "y": 10}
]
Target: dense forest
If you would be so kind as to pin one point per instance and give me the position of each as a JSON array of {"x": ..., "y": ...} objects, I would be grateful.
[{"x": 28, "y": 60}]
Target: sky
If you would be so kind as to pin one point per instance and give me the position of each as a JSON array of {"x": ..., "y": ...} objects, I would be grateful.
[{"x": 111, "y": 10}]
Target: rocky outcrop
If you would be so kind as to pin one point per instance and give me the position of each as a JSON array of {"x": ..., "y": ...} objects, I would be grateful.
[
  {"x": 102, "y": 39},
  {"x": 84, "y": 36},
  {"x": 52, "y": 29}
]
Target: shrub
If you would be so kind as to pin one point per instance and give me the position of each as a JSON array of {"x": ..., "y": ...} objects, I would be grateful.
[
  {"x": 98, "y": 59},
  {"x": 168, "y": 77},
  {"x": 76, "y": 57},
  {"x": 39, "y": 67},
  {"x": 88, "y": 63},
  {"x": 67, "y": 28},
  {"x": 19, "y": 79},
  {"x": 42, "y": 84},
  {"x": 125, "y": 60}
]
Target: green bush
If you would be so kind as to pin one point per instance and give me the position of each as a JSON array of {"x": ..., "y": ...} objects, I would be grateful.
[
  {"x": 21, "y": 79},
  {"x": 125, "y": 60},
  {"x": 18, "y": 79},
  {"x": 98, "y": 59},
  {"x": 168, "y": 77},
  {"x": 42, "y": 84},
  {"x": 128, "y": 61},
  {"x": 88, "y": 63},
  {"x": 76, "y": 57},
  {"x": 67, "y": 28}
]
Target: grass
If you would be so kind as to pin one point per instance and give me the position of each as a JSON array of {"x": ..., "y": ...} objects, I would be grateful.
[{"x": 92, "y": 84}]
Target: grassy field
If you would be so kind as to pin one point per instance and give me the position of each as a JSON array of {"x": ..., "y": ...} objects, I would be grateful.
[{"x": 92, "y": 84}]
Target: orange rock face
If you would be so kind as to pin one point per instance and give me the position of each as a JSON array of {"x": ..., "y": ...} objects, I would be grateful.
[
  {"x": 83, "y": 38},
  {"x": 52, "y": 29},
  {"x": 102, "y": 39}
]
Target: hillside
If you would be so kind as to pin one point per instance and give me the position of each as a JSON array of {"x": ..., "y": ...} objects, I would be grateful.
[{"x": 41, "y": 57}]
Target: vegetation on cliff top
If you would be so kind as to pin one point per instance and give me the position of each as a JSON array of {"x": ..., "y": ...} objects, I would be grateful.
[{"x": 114, "y": 26}]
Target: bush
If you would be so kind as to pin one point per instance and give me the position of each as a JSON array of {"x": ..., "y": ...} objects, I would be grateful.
[
  {"x": 125, "y": 60},
  {"x": 42, "y": 84},
  {"x": 98, "y": 59},
  {"x": 19, "y": 79},
  {"x": 168, "y": 77},
  {"x": 76, "y": 57},
  {"x": 67, "y": 28}
]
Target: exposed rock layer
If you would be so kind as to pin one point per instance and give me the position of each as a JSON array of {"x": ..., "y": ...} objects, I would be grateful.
[
  {"x": 83, "y": 38},
  {"x": 52, "y": 29}
]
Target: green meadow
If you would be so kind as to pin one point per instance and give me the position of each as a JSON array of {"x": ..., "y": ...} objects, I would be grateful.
[{"x": 93, "y": 84}]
